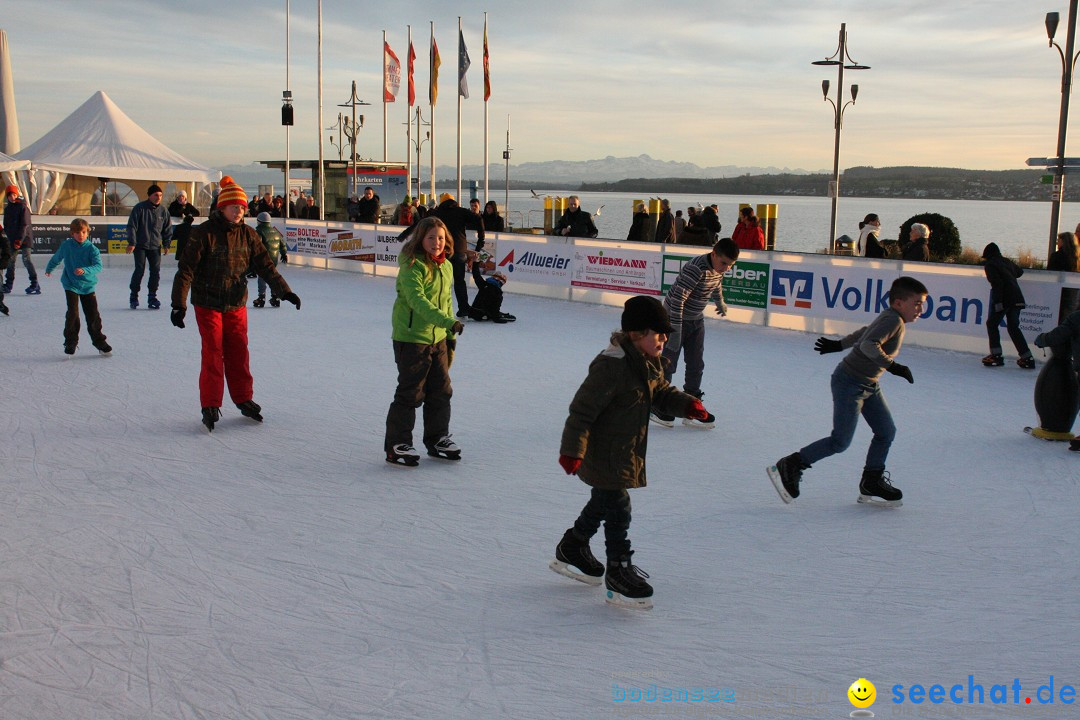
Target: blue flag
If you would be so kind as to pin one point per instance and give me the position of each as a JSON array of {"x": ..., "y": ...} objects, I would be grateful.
[{"x": 463, "y": 67}]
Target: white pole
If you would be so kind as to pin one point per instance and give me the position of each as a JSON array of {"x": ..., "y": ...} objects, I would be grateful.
[
  {"x": 384, "y": 96},
  {"x": 322, "y": 169},
  {"x": 288, "y": 128},
  {"x": 408, "y": 121},
  {"x": 431, "y": 65},
  {"x": 461, "y": 200},
  {"x": 486, "y": 173},
  {"x": 506, "y": 201}
]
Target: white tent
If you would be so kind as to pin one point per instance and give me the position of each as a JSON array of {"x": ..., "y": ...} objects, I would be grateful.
[{"x": 99, "y": 142}]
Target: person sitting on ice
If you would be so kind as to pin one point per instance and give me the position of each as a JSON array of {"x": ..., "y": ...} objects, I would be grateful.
[{"x": 489, "y": 294}]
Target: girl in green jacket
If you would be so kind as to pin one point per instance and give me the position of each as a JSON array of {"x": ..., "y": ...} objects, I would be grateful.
[{"x": 424, "y": 338}]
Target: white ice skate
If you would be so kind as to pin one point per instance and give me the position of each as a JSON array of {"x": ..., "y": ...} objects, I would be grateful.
[
  {"x": 879, "y": 502},
  {"x": 619, "y": 600},
  {"x": 572, "y": 572}
]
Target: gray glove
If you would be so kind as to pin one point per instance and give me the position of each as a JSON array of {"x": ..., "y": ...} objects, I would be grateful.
[
  {"x": 721, "y": 308},
  {"x": 674, "y": 339}
]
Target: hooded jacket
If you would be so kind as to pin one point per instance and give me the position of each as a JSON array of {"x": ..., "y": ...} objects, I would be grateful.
[{"x": 1002, "y": 274}]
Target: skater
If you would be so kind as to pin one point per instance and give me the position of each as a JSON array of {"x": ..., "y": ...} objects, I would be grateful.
[
  {"x": 20, "y": 231},
  {"x": 1006, "y": 301},
  {"x": 5, "y": 256},
  {"x": 489, "y": 294},
  {"x": 82, "y": 263},
  {"x": 604, "y": 441},
  {"x": 275, "y": 247},
  {"x": 856, "y": 391},
  {"x": 149, "y": 229},
  {"x": 424, "y": 336},
  {"x": 698, "y": 281},
  {"x": 214, "y": 267}
]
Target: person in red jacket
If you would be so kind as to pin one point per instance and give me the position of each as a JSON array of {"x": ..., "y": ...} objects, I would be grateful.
[{"x": 748, "y": 234}]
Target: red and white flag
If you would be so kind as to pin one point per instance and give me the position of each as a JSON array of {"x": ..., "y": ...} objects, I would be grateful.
[{"x": 392, "y": 81}]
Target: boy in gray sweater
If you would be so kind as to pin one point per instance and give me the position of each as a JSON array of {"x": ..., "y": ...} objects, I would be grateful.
[{"x": 856, "y": 391}]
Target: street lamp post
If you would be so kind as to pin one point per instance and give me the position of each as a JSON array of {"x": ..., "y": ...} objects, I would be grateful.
[
  {"x": 352, "y": 102},
  {"x": 419, "y": 143},
  {"x": 840, "y": 58},
  {"x": 1068, "y": 62}
]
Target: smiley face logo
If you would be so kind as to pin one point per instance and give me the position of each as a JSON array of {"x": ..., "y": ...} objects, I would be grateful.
[{"x": 862, "y": 693}]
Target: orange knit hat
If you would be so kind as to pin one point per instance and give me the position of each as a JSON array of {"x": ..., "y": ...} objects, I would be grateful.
[{"x": 231, "y": 194}]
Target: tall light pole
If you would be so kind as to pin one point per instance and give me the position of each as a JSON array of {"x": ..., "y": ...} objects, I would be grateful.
[
  {"x": 419, "y": 143},
  {"x": 506, "y": 157},
  {"x": 353, "y": 130},
  {"x": 1068, "y": 62},
  {"x": 840, "y": 58}
]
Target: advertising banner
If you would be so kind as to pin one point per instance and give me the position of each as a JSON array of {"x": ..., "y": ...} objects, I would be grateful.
[
  {"x": 623, "y": 270},
  {"x": 534, "y": 262},
  {"x": 746, "y": 284},
  {"x": 387, "y": 247},
  {"x": 354, "y": 243},
  {"x": 306, "y": 239},
  {"x": 48, "y": 236}
]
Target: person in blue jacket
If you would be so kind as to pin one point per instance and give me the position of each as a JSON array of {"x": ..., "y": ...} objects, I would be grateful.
[{"x": 82, "y": 263}]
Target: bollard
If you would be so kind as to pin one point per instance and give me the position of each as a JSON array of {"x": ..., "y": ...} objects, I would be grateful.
[{"x": 766, "y": 215}]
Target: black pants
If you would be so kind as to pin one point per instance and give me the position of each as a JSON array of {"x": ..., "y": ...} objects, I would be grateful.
[
  {"x": 423, "y": 379},
  {"x": 611, "y": 507},
  {"x": 1012, "y": 323},
  {"x": 142, "y": 257},
  {"x": 93, "y": 319},
  {"x": 461, "y": 288}
]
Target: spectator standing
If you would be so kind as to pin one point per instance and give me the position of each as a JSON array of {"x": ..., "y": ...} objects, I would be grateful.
[
  {"x": 149, "y": 233},
  {"x": 665, "y": 224},
  {"x": 404, "y": 213},
  {"x": 575, "y": 222},
  {"x": 917, "y": 248},
  {"x": 312, "y": 211},
  {"x": 493, "y": 221},
  {"x": 869, "y": 244},
  {"x": 368, "y": 207},
  {"x": 19, "y": 226},
  {"x": 1066, "y": 259},
  {"x": 639, "y": 224},
  {"x": 711, "y": 220},
  {"x": 680, "y": 226},
  {"x": 748, "y": 234},
  {"x": 180, "y": 206},
  {"x": 265, "y": 204}
]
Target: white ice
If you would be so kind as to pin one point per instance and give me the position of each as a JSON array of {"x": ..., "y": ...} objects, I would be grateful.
[{"x": 149, "y": 569}]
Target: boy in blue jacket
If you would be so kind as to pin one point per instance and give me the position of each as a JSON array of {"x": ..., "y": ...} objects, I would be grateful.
[{"x": 82, "y": 263}]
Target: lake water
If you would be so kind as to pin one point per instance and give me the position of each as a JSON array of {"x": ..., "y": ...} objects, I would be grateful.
[{"x": 803, "y": 222}]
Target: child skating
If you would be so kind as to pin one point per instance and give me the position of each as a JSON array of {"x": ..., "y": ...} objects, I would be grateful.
[
  {"x": 856, "y": 391},
  {"x": 82, "y": 263},
  {"x": 604, "y": 441}
]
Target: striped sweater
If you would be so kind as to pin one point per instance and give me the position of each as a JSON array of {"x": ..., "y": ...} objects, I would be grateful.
[{"x": 697, "y": 283}]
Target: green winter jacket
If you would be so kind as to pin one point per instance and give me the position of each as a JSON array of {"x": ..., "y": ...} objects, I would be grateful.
[
  {"x": 423, "y": 313},
  {"x": 608, "y": 426},
  {"x": 275, "y": 244}
]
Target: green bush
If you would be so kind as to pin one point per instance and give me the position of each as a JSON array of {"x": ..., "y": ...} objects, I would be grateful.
[{"x": 944, "y": 240}]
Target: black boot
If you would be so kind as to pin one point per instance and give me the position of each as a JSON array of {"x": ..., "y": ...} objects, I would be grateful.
[
  {"x": 626, "y": 584},
  {"x": 251, "y": 409},
  {"x": 210, "y": 415},
  {"x": 573, "y": 554},
  {"x": 786, "y": 475},
  {"x": 259, "y": 301},
  {"x": 275, "y": 301},
  {"x": 876, "y": 488}
]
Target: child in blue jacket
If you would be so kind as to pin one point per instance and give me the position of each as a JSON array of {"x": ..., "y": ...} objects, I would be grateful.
[{"x": 82, "y": 263}]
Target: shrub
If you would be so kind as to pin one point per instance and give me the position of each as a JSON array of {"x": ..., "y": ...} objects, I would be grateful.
[{"x": 944, "y": 240}]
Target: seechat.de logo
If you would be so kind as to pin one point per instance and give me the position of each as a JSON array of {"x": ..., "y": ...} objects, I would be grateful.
[{"x": 792, "y": 288}]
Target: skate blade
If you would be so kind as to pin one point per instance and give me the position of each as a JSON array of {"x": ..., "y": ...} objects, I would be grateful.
[
  {"x": 568, "y": 571},
  {"x": 618, "y": 600},
  {"x": 661, "y": 423},
  {"x": 778, "y": 483},
  {"x": 698, "y": 424},
  {"x": 404, "y": 461},
  {"x": 879, "y": 502},
  {"x": 445, "y": 455}
]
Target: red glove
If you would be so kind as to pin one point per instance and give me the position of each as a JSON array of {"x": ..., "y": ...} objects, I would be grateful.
[
  {"x": 570, "y": 464},
  {"x": 697, "y": 411}
]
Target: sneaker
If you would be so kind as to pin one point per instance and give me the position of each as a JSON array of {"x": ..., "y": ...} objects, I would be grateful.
[
  {"x": 251, "y": 409},
  {"x": 104, "y": 348},
  {"x": 661, "y": 419},
  {"x": 875, "y": 488},
  {"x": 275, "y": 301},
  {"x": 210, "y": 415},
  {"x": 152, "y": 303},
  {"x": 786, "y": 475},
  {"x": 707, "y": 424},
  {"x": 574, "y": 559},
  {"x": 625, "y": 583},
  {"x": 402, "y": 454},
  {"x": 1028, "y": 363},
  {"x": 69, "y": 349},
  {"x": 993, "y": 360},
  {"x": 445, "y": 449},
  {"x": 259, "y": 302},
  {"x": 133, "y": 302},
  {"x": 34, "y": 289}
]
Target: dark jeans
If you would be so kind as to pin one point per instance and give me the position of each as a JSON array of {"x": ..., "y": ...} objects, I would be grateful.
[
  {"x": 31, "y": 273},
  {"x": 692, "y": 348},
  {"x": 611, "y": 507},
  {"x": 93, "y": 319},
  {"x": 142, "y": 257},
  {"x": 1012, "y": 323},
  {"x": 461, "y": 288},
  {"x": 423, "y": 379},
  {"x": 852, "y": 398}
]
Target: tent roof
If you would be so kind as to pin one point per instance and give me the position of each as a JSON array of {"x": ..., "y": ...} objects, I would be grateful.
[
  {"x": 8, "y": 163},
  {"x": 99, "y": 140}
]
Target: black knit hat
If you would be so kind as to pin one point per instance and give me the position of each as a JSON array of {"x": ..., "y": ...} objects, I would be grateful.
[{"x": 642, "y": 312}]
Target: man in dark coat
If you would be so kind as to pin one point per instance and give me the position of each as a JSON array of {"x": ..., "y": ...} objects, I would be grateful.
[
  {"x": 575, "y": 222},
  {"x": 149, "y": 229},
  {"x": 367, "y": 207},
  {"x": 457, "y": 220}
]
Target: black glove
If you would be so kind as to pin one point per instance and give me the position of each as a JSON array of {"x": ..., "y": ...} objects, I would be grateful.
[
  {"x": 901, "y": 371},
  {"x": 451, "y": 346},
  {"x": 457, "y": 328},
  {"x": 178, "y": 317},
  {"x": 825, "y": 346},
  {"x": 291, "y": 297}
]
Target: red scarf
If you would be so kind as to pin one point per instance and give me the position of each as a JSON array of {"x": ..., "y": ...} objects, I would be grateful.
[{"x": 440, "y": 259}]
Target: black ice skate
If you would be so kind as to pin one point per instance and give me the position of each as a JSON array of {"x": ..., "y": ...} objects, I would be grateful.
[
  {"x": 445, "y": 449},
  {"x": 250, "y": 409},
  {"x": 626, "y": 586},
  {"x": 133, "y": 301},
  {"x": 275, "y": 301},
  {"x": 402, "y": 454},
  {"x": 786, "y": 475},
  {"x": 1027, "y": 362},
  {"x": 104, "y": 348},
  {"x": 69, "y": 349},
  {"x": 993, "y": 360},
  {"x": 574, "y": 559},
  {"x": 34, "y": 289},
  {"x": 259, "y": 301},
  {"x": 3, "y": 308},
  {"x": 210, "y": 415},
  {"x": 875, "y": 488},
  {"x": 661, "y": 418},
  {"x": 152, "y": 303}
]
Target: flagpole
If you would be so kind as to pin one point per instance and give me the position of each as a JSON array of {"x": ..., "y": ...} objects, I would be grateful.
[
  {"x": 322, "y": 168},
  {"x": 384, "y": 96},
  {"x": 486, "y": 172},
  {"x": 408, "y": 120},
  {"x": 431, "y": 98},
  {"x": 460, "y": 37},
  {"x": 288, "y": 128}
]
